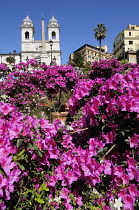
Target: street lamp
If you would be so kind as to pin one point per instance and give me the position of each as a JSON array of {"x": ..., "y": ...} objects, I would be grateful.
[
  {"x": 20, "y": 58},
  {"x": 27, "y": 58},
  {"x": 51, "y": 44},
  {"x": 14, "y": 55},
  {"x": 1, "y": 57},
  {"x": 124, "y": 51}
]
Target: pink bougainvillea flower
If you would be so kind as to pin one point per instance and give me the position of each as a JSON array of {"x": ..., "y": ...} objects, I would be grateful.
[
  {"x": 128, "y": 202},
  {"x": 68, "y": 206},
  {"x": 107, "y": 167},
  {"x": 14, "y": 131},
  {"x": 131, "y": 162},
  {"x": 53, "y": 153},
  {"x": 79, "y": 200},
  {"x": 65, "y": 194},
  {"x": 133, "y": 190},
  {"x": 125, "y": 178},
  {"x": 2, "y": 205},
  {"x": 3, "y": 181},
  {"x": 105, "y": 207},
  {"x": 118, "y": 171},
  {"x": 5, "y": 109},
  {"x": 133, "y": 173},
  {"x": 51, "y": 180},
  {"x": 71, "y": 176},
  {"x": 122, "y": 193},
  {"x": 134, "y": 141},
  {"x": 7, "y": 164}
]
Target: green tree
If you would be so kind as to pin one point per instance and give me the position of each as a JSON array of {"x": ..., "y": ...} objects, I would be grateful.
[
  {"x": 124, "y": 62},
  {"x": 10, "y": 59},
  {"x": 87, "y": 67},
  {"x": 100, "y": 33},
  {"x": 78, "y": 60}
]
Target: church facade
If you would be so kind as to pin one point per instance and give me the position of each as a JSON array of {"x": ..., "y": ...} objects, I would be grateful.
[{"x": 44, "y": 51}]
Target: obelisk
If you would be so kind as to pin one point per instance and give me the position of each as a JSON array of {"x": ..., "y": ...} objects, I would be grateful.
[
  {"x": 43, "y": 54},
  {"x": 43, "y": 36}
]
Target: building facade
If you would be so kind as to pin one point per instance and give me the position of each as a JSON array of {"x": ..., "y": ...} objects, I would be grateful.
[
  {"x": 91, "y": 54},
  {"x": 126, "y": 44},
  {"x": 44, "y": 50}
]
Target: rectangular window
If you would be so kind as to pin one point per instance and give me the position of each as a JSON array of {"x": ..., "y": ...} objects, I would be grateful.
[
  {"x": 129, "y": 33},
  {"x": 130, "y": 42}
]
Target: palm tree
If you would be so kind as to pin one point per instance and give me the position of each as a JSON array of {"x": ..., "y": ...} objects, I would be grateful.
[{"x": 100, "y": 33}]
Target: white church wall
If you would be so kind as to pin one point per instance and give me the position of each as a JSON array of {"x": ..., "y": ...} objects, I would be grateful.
[
  {"x": 10, "y": 65},
  {"x": 33, "y": 48}
]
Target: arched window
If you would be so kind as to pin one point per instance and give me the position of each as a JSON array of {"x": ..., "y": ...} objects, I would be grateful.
[
  {"x": 26, "y": 35},
  {"x": 53, "y": 34}
]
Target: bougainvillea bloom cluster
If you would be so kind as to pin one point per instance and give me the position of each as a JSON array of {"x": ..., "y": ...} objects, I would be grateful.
[
  {"x": 88, "y": 163},
  {"x": 3, "y": 67},
  {"x": 30, "y": 86}
]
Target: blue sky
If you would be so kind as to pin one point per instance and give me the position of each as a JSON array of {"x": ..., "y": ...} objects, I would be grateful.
[{"x": 77, "y": 20}]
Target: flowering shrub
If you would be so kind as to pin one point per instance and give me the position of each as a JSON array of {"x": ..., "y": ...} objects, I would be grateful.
[
  {"x": 21, "y": 66},
  {"x": 60, "y": 78},
  {"x": 24, "y": 66},
  {"x": 111, "y": 119},
  {"x": 22, "y": 137},
  {"x": 3, "y": 67},
  {"x": 85, "y": 88},
  {"x": 130, "y": 66},
  {"x": 105, "y": 69},
  {"x": 87, "y": 164},
  {"x": 36, "y": 87},
  {"x": 32, "y": 62}
]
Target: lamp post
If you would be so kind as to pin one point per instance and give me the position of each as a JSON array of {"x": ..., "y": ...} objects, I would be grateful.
[
  {"x": 51, "y": 44},
  {"x": 27, "y": 62},
  {"x": 20, "y": 58},
  {"x": 14, "y": 55},
  {"x": 54, "y": 60},
  {"x": 27, "y": 58},
  {"x": 124, "y": 51},
  {"x": 1, "y": 57}
]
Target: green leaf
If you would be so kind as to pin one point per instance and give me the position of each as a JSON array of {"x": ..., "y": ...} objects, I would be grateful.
[
  {"x": 85, "y": 146},
  {"x": 40, "y": 153},
  {"x": 39, "y": 200},
  {"x": 27, "y": 191},
  {"x": 21, "y": 153},
  {"x": 35, "y": 146},
  {"x": 43, "y": 187},
  {"x": 18, "y": 143},
  {"x": 127, "y": 130},
  {"x": 30, "y": 146},
  {"x": 3, "y": 172},
  {"x": 35, "y": 139},
  {"x": 102, "y": 150},
  {"x": 20, "y": 166},
  {"x": 123, "y": 133},
  {"x": 22, "y": 157}
]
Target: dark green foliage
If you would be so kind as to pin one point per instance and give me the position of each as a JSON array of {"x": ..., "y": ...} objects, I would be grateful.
[{"x": 78, "y": 60}]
